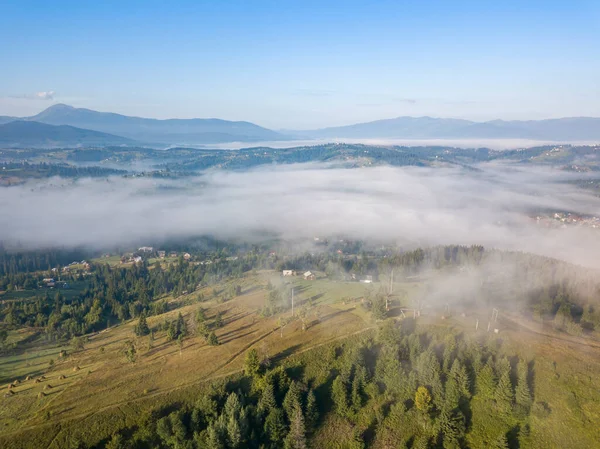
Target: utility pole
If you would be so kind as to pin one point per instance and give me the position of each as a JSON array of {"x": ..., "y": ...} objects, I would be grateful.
[
  {"x": 292, "y": 301},
  {"x": 477, "y": 324},
  {"x": 495, "y": 315}
]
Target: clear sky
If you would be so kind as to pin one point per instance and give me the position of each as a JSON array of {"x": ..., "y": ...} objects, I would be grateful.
[{"x": 303, "y": 64}]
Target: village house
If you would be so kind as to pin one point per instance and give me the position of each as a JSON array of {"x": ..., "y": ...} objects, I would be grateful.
[
  {"x": 49, "y": 282},
  {"x": 146, "y": 249},
  {"x": 173, "y": 254},
  {"x": 368, "y": 279},
  {"x": 187, "y": 256},
  {"x": 289, "y": 273},
  {"x": 162, "y": 254},
  {"x": 309, "y": 276}
]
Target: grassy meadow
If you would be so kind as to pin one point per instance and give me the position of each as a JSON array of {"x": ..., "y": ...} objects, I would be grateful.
[{"x": 90, "y": 393}]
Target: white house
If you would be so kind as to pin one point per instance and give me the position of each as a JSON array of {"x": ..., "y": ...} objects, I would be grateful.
[{"x": 309, "y": 276}]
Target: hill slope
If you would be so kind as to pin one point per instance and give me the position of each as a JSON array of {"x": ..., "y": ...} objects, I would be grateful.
[
  {"x": 170, "y": 131},
  {"x": 33, "y": 134},
  {"x": 574, "y": 128}
]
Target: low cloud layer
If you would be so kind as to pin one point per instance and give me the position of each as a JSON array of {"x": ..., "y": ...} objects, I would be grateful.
[{"x": 409, "y": 206}]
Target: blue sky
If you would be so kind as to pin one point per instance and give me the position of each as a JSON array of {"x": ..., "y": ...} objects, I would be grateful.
[{"x": 304, "y": 64}]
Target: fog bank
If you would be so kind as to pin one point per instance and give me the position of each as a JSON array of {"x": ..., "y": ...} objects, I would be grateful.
[{"x": 409, "y": 206}]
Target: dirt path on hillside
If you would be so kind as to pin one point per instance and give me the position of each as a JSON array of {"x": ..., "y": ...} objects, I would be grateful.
[{"x": 524, "y": 325}]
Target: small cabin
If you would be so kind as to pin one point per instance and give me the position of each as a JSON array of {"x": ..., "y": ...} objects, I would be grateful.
[{"x": 309, "y": 276}]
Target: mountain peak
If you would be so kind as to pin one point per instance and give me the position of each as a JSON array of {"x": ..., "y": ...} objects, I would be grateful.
[
  {"x": 58, "y": 107},
  {"x": 61, "y": 106}
]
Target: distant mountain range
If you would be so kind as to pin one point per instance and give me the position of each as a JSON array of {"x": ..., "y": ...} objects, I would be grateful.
[
  {"x": 77, "y": 126},
  {"x": 33, "y": 134},
  {"x": 167, "y": 132},
  {"x": 563, "y": 129}
]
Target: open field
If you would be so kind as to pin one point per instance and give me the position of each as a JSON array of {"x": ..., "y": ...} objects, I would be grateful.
[{"x": 74, "y": 289}]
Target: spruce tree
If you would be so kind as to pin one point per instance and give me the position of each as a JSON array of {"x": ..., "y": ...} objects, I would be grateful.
[
  {"x": 234, "y": 434},
  {"x": 522, "y": 393},
  {"x": 421, "y": 442},
  {"x": 452, "y": 428},
  {"x": 357, "y": 388},
  {"x": 213, "y": 438},
  {"x": 171, "y": 332},
  {"x": 251, "y": 363},
  {"x": 312, "y": 411},
  {"x": 524, "y": 437},
  {"x": 116, "y": 442},
  {"x": 500, "y": 442},
  {"x": 452, "y": 396},
  {"x": 267, "y": 401},
  {"x": 180, "y": 327},
  {"x": 339, "y": 395},
  {"x": 296, "y": 437},
  {"x": 292, "y": 399},
  {"x": 212, "y": 339},
  {"x": 449, "y": 353},
  {"x": 504, "y": 391},
  {"x": 275, "y": 427},
  {"x": 232, "y": 406},
  {"x": 486, "y": 381},
  {"x": 202, "y": 329},
  {"x": 464, "y": 381},
  {"x": 141, "y": 327}
]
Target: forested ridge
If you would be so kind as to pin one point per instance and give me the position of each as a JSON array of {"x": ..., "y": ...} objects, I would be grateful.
[
  {"x": 399, "y": 386},
  {"x": 26, "y": 163},
  {"x": 86, "y": 301}
]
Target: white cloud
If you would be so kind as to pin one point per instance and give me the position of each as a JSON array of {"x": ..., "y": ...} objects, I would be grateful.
[
  {"x": 47, "y": 95},
  {"x": 44, "y": 95}
]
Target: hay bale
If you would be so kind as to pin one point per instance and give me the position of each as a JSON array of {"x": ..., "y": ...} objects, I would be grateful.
[
  {"x": 41, "y": 394},
  {"x": 9, "y": 394},
  {"x": 62, "y": 376},
  {"x": 16, "y": 382},
  {"x": 43, "y": 377},
  {"x": 76, "y": 369},
  {"x": 37, "y": 381},
  {"x": 48, "y": 387},
  {"x": 28, "y": 378}
]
